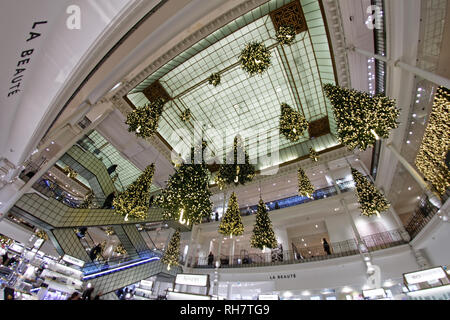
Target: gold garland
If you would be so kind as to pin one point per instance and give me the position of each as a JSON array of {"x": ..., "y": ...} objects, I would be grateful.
[
  {"x": 5, "y": 240},
  {"x": 71, "y": 173},
  {"x": 109, "y": 231}
]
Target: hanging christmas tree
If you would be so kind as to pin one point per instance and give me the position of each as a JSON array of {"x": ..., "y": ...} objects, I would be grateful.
[
  {"x": 172, "y": 253},
  {"x": 231, "y": 224},
  {"x": 214, "y": 79},
  {"x": 286, "y": 35},
  {"x": 134, "y": 201},
  {"x": 88, "y": 201},
  {"x": 255, "y": 58},
  {"x": 371, "y": 200},
  {"x": 185, "y": 116},
  {"x": 313, "y": 155},
  {"x": 42, "y": 235},
  {"x": 144, "y": 121},
  {"x": 186, "y": 197},
  {"x": 305, "y": 187},
  {"x": 292, "y": 123},
  {"x": 263, "y": 235},
  {"x": 361, "y": 118},
  {"x": 120, "y": 250},
  {"x": 236, "y": 167}
]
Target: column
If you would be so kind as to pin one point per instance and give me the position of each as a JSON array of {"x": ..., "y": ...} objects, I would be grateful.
[
  {"x": 344, "y": 205},
  {"x": 229, "y": 291},
  {"x": 433, "y": 197},
  {"x": 283, "y": 239},
  {"x": 421, "y": 260},
  {"x": 437, "y": 79},
  {"x": 233, "y": 245}
]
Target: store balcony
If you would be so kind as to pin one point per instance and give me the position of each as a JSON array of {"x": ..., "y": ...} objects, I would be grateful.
[{"x": 301, "y": 254}]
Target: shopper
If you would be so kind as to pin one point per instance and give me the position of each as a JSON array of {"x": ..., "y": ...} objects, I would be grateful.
[
  {"x": 326, "y": 246},
  {"x": 5, "y": 258},
  {"x": 87, "y": 294},
  {"x": 210, "y": 259}
]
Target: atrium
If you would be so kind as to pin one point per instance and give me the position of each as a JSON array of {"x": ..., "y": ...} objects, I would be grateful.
[{"x": 225, "y": 150}]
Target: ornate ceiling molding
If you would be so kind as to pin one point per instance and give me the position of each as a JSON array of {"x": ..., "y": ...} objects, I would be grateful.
[{"x": 333, "y": 19}]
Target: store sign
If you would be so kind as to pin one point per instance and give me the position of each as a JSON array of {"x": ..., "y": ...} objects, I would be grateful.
[
  {"x": 374, "y": 293},
  {"x": 425, "y": 275},
  {"x": 15, "y": 247},
  {"x": 192, "y": 279},
  {"x": 38, "y": 243},
  {"x": 282, "y": 276},
  {"x": 72, "y": 260},
  {"x": 268, "y": 297}
]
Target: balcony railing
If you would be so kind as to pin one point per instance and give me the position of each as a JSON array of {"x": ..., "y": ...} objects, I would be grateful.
[
  {"x": 423, "y": 214},
  {"x": 323, "y": 193},
  {"x": 301, "y": 253}
]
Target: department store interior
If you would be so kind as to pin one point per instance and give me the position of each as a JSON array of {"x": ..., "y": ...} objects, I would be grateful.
[{"x": 225, "y": 150}]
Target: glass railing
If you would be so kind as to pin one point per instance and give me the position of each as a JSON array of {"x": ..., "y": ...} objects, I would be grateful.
[
  {"x": 51, "y": 189},
  {"x": 301, "y": 253},
  {"x": 323, "y": 193},
  {"x": 423, "y": 214},
  {"x": 115, "y": 264}
]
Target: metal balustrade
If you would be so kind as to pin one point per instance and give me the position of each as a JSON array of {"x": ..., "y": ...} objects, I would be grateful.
[{"x": 301, "y": 253}]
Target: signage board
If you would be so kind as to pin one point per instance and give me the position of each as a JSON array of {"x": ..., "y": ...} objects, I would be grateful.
[
  {"x": 268, "y": 297},
  {"x": 425, "y": 275},
  {"x": 374, "y": 293},
  {"x": 199, "y": 280},
  {"x": 147, "y": 284},
  {"x": 72, "y": 260}
]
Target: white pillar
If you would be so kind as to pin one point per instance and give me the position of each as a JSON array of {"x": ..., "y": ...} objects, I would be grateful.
[
  {"x": 233, "y": 245},
  {"x": 229, "y": 291},
  {"x": 283, "y": 239},
  {"x": 434, "y": 198},
  {"x": 435, "y": 78}
]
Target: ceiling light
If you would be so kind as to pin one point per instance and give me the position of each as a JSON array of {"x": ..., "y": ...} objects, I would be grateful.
[
  {"x": 289, "y": 181},
  {"x": 306, "y": 293},
  {"x": 410, "y": 132},
  {"x": 303, "y": 239},
  {"x": 409, "y": 188},
  {"x": 414, "y": 115},
  {"x": 420, "y": 89},
  {"x": 317, "y": 226},
  {"x": 388, "y": 284},
  {"x": 279, "y": 89},
  {"x": 418, "y": 198},
  {"x": 47, "y": 149},
  {"x": 287, "y": 294},
  {"x": 408, "y": 142},
  {"x": 116, "y": 86},
  {"x": 336, "y": 209},
  {"x": 305, "y": 244},
  {"x": 274, "y": 184},
  {"x": 53, "y": 142},
  {"x": 417, "y": 101}
]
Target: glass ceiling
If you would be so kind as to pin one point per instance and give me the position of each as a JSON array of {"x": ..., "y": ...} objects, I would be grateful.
[{"x": 242, "y": 102}]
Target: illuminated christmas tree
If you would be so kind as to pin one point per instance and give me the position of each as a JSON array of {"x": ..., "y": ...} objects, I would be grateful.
[
  {"x": 186, "y": 197},
  {"x": 236, "y": 167},
  {"x": 144, "y": 121},
  {"x": 361, "y": 118},
  {"x": 292, "y": 123},
  {"x": 134, "y": 201},
  {"x": 305, "y": 187},
  {"x": 431, "y": 158},
  {"x": 263, "y": 235},
  {"x": 231, "y": 224},
  {"x": 172, "y": 253},
  {"x": 371, "y": 201},
  {"x": 313, "y": 155}
]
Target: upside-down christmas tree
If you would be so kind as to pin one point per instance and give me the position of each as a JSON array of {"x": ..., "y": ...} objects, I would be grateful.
[
  {"x": 305, "y": 187},
  {"x": 172, "y": 253},
  {"x": 187, "y": 196},
  {"x": 236, "y": 167},
  {"x": 231, "y": 224},
  {"x": 371, "y": 201},
  {"x": 134, "y": 201},
  {"x": 263, "y": 235},
  {"x": 361, "y": 118},
  {"x": 292, "y": 123}
]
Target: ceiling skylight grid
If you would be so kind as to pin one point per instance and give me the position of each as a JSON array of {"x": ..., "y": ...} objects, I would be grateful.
[{"x": 296, "y": 75}]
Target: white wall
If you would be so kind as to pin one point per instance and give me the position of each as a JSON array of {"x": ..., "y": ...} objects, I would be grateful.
[
  {"x": 435, "y": 244},
  {"x": 323, "y": 274},
  {"x": 339, "y": 227}
]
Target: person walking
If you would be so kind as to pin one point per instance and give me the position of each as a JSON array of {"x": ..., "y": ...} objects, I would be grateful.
[
  {"x": 210, "y": 259},
  {"x": 326, "y": 246}
]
